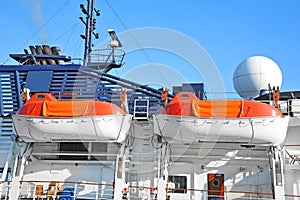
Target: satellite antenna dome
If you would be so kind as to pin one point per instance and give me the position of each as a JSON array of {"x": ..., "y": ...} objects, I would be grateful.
[{"x": 255, "y": 75}]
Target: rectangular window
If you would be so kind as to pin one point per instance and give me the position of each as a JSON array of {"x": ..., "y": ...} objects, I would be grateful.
[
  {"x": 70, "y": 149},
  {"x": 73, "y": 148},
  {"x": 177, "y": 184}
]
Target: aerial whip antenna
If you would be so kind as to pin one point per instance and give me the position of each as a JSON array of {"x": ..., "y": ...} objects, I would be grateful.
[{"x": 90, "y": 27}]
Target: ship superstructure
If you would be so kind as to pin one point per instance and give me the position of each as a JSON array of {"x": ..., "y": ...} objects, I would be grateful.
[{"x": 191, "y": 148}]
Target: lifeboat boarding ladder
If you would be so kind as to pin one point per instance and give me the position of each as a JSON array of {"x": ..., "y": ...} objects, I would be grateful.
[{"x": 141, "y": 109}]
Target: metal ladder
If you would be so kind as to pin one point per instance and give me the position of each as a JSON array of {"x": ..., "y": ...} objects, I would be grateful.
[{"x": 141, "y": 109}]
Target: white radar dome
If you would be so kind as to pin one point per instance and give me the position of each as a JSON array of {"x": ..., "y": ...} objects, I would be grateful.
[{"x": 254, "y": 75}]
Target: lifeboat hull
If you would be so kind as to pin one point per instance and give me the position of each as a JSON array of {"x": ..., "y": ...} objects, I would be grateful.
[
  {"x": 293, "y": 138},
  {"x": 108, "y": 128},
  {"x": 188, "y": 129}
]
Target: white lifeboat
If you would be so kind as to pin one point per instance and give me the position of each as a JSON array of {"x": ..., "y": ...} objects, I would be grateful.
[
  {"x": 45, "y": 119},
  {"x": 187, "y": 119}
]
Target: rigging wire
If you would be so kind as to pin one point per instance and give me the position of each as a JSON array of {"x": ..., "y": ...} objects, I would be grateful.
[
  {"x": 148, "y": 58},
  {"x": 79, "y": 45},
  {"x": 45, "y": 24},
  {"x": 39, "y": 29},
  {"x": 72, "y": 28},
  {"x": 70, "y": 36}
]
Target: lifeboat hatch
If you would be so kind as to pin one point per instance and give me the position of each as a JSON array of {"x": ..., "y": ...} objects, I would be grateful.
[{"x": 215, "y": 186}]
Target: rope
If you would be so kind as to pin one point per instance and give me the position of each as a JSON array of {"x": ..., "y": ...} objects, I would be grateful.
[
  {"x": 123, "y": 118},
  {"x": 252, "y": 129},
  {"x": 127, "y": 142},
  {"x": 161, "y": 135}
]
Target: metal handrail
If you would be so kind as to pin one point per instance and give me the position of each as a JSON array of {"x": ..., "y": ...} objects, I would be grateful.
[
  {"x": 229, "y": 194},
  {"x": 106, "y": 56}
]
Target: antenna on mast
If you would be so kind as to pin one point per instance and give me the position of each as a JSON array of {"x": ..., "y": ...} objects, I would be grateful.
[
  {"x": 101, "y": 59},
  {"x": 90, "y": 26},
  {"x": 114, "y": 43}
]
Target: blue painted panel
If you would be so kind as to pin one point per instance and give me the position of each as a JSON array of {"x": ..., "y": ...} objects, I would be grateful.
[
  {"x": 197, "y": 88},
  {"x": 38, "y": 81}
]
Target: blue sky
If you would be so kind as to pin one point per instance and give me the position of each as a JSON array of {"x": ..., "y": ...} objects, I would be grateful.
[{"x": 229, "y": 31}]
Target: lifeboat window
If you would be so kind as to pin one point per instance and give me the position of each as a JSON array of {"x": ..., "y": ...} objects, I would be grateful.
[
  {"x": 185, "y": 96},
  {"x": 176, "y": 182},
  {"x": 40, "y": 96}
]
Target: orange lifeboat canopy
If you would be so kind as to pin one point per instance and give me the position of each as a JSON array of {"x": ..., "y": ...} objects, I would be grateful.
[
  {"x": 44, "y": 104},
  {"x": 187, "y": 104}
]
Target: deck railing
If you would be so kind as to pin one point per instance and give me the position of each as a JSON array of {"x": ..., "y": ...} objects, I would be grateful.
[{"x": 63, "y": 190}]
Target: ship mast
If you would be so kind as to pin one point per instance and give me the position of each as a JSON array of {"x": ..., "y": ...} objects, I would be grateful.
[{"x": 90, "y": 26}]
